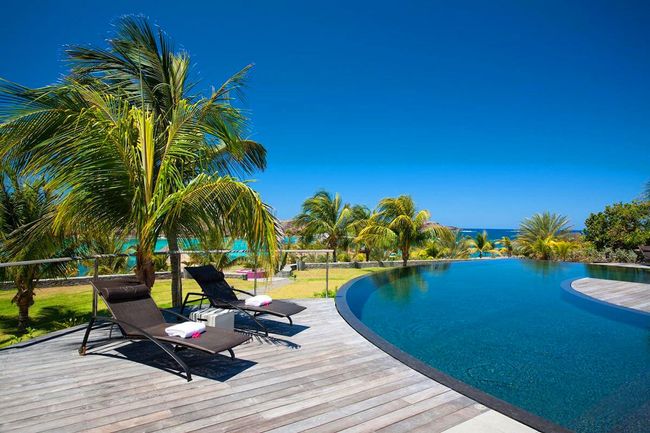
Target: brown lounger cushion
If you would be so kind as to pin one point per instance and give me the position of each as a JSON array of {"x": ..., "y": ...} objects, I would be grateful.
[
  {"x": 124, "y": 292},
  {"x": 276, "y": 308},
  {"x": 213, "y": 340}
]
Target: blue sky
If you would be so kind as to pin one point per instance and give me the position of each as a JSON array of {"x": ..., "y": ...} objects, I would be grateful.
[{"x": 485, "y": 112}]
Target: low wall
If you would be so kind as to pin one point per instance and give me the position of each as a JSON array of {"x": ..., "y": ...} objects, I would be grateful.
[{"x": 370, "y": 264}]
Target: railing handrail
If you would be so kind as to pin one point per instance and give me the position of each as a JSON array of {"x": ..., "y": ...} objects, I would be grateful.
[{"x": 102, "y": 256}]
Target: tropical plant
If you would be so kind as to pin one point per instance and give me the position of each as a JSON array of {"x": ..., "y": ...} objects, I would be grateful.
[
  {"x": 620, "y": 226},
  {"x": 398, "y": 222},
  {"x": 506, "y": 246},
  {"x": 112, "y": 245},
  {"x": 537, "y": 234},
  {"x": 481, "y": 245},
  {"x": 362, "y": 217},
  {"x": 562, "y": 249},
  {"x": 208, "y": 243},
  {"x": 142, "y": 64},
  {"x": 26, "y": 205},
  {"x": 448, "y": 244},
  {"x": 326, "y": 216},
  {"x": 127, "y": 163}
]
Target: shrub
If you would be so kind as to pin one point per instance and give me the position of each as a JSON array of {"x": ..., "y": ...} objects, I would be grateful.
[
  {"x": 330, "y": 293},
  {"x": 620, "y": 226},
  {"x": 343, "y": 257},
  {"x": 360, "y": 257}
]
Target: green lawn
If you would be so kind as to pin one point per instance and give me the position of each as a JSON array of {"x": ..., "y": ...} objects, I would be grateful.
[{"x": 61, "y": 307}]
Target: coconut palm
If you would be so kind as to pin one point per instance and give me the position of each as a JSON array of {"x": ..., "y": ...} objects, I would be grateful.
[
  {"x": 325, "y": 216},
  {"x": 25, "y": 207},
  {"x": 102, "y": 152},
  {"x": 398, "y": 222},
  {"x": 141, "y": 64},
  {"x": 481, "y": 245},
  {"x": 362, "y": 217}
]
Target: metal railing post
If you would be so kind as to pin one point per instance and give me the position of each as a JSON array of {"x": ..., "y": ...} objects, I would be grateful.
[
  {"x": 327, "y": 274},
  {"x": 180, "y": 275},
  {"x": 255, "y": 276},
  {"x": 95, "y": 278}
]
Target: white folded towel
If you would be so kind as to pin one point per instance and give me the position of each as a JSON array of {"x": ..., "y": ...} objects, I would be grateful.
[
  {"x": 258, "y": 301},
  {"x": 185, "y": 329}
]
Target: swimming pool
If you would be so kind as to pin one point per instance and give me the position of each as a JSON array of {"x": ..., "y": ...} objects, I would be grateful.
[{"x": 508, "y": 329}]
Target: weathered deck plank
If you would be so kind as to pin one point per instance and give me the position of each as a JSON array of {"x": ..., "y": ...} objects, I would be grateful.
[
  {"x": 319, "y": 375},
  {"x": 622, "y": 293}
]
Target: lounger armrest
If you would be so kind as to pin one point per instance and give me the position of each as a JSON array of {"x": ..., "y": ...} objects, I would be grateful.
[
  {"x": 201, "y": 297},
  {"x": 174, "y": 313},
  {"x": 123, "y": 323},
  {"x": 242, "y": 291}
]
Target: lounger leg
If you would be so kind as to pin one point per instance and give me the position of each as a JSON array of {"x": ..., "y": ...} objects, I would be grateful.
[
  {"x": 82, "y": 349},
  {"x": 232, "y": 354},
  {"x": 290, "y": 321},
  {"x": 179, "y": 361},
  {"x": 264, "y": 328}
]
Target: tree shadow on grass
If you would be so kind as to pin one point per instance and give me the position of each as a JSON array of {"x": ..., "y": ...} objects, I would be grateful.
[{"x": 48, "y": 319}]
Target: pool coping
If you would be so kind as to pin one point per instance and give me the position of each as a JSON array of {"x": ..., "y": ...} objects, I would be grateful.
[{"x": 488, "y": 400}]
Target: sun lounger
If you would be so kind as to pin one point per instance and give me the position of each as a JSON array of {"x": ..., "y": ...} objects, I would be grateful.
[
  {"x": 139, "y": 318},
  {"x": 220, "y": 294}
]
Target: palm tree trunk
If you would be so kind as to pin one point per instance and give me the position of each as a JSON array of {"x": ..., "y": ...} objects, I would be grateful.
[
  {"x": 24, "y": 299},
  {"x": 405, "y": 256},
  {"x": 367, "y": 251},
  {"x": 144, "y": 267},
  {"x": 172, "y": 242}
]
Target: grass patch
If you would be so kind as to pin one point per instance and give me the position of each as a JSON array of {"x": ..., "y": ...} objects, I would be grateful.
[{"x": 61, "y": 307}]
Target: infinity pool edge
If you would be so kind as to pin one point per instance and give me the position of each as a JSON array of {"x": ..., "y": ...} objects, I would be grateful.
[{"x": 405, "y": 358}]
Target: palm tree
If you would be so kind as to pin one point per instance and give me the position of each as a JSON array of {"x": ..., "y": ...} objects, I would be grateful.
[
  {"x": 141, "y": 64},
  {"x": 326, "y": 216},
  {"x": 398, "y": 221},
  {"x": 124, "y": 168},
  {"x": 108, "y": 243},
  {"x": 25, "y": 207},
  {"x": 537, "y": 233},
  {"x": 213, "y": 240},
  {"x": 507, "y": 247},
  {"x": 361, "y": 217},
  {"x": 481, "y": 244},
  {"x": 448, "y": 244}
]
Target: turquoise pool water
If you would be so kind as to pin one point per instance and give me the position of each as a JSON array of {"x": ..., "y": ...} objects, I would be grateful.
[{"x": 507, "y": 328}]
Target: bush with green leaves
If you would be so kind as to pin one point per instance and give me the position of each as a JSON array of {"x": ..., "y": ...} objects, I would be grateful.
[{"x": 620, "y": 226}]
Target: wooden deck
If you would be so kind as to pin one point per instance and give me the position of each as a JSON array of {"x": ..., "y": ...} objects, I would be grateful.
[
  {"x": 318, "y": 376},
  {"x": 622, "y": 293}
]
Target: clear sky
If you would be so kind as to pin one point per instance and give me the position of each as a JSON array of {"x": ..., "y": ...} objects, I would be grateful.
[{"x": 484, "y": 111}]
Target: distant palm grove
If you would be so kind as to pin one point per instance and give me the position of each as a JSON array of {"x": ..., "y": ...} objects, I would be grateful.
[
  {"x": 123, "y": 147},
  {"x": 397, "y": 230}
]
